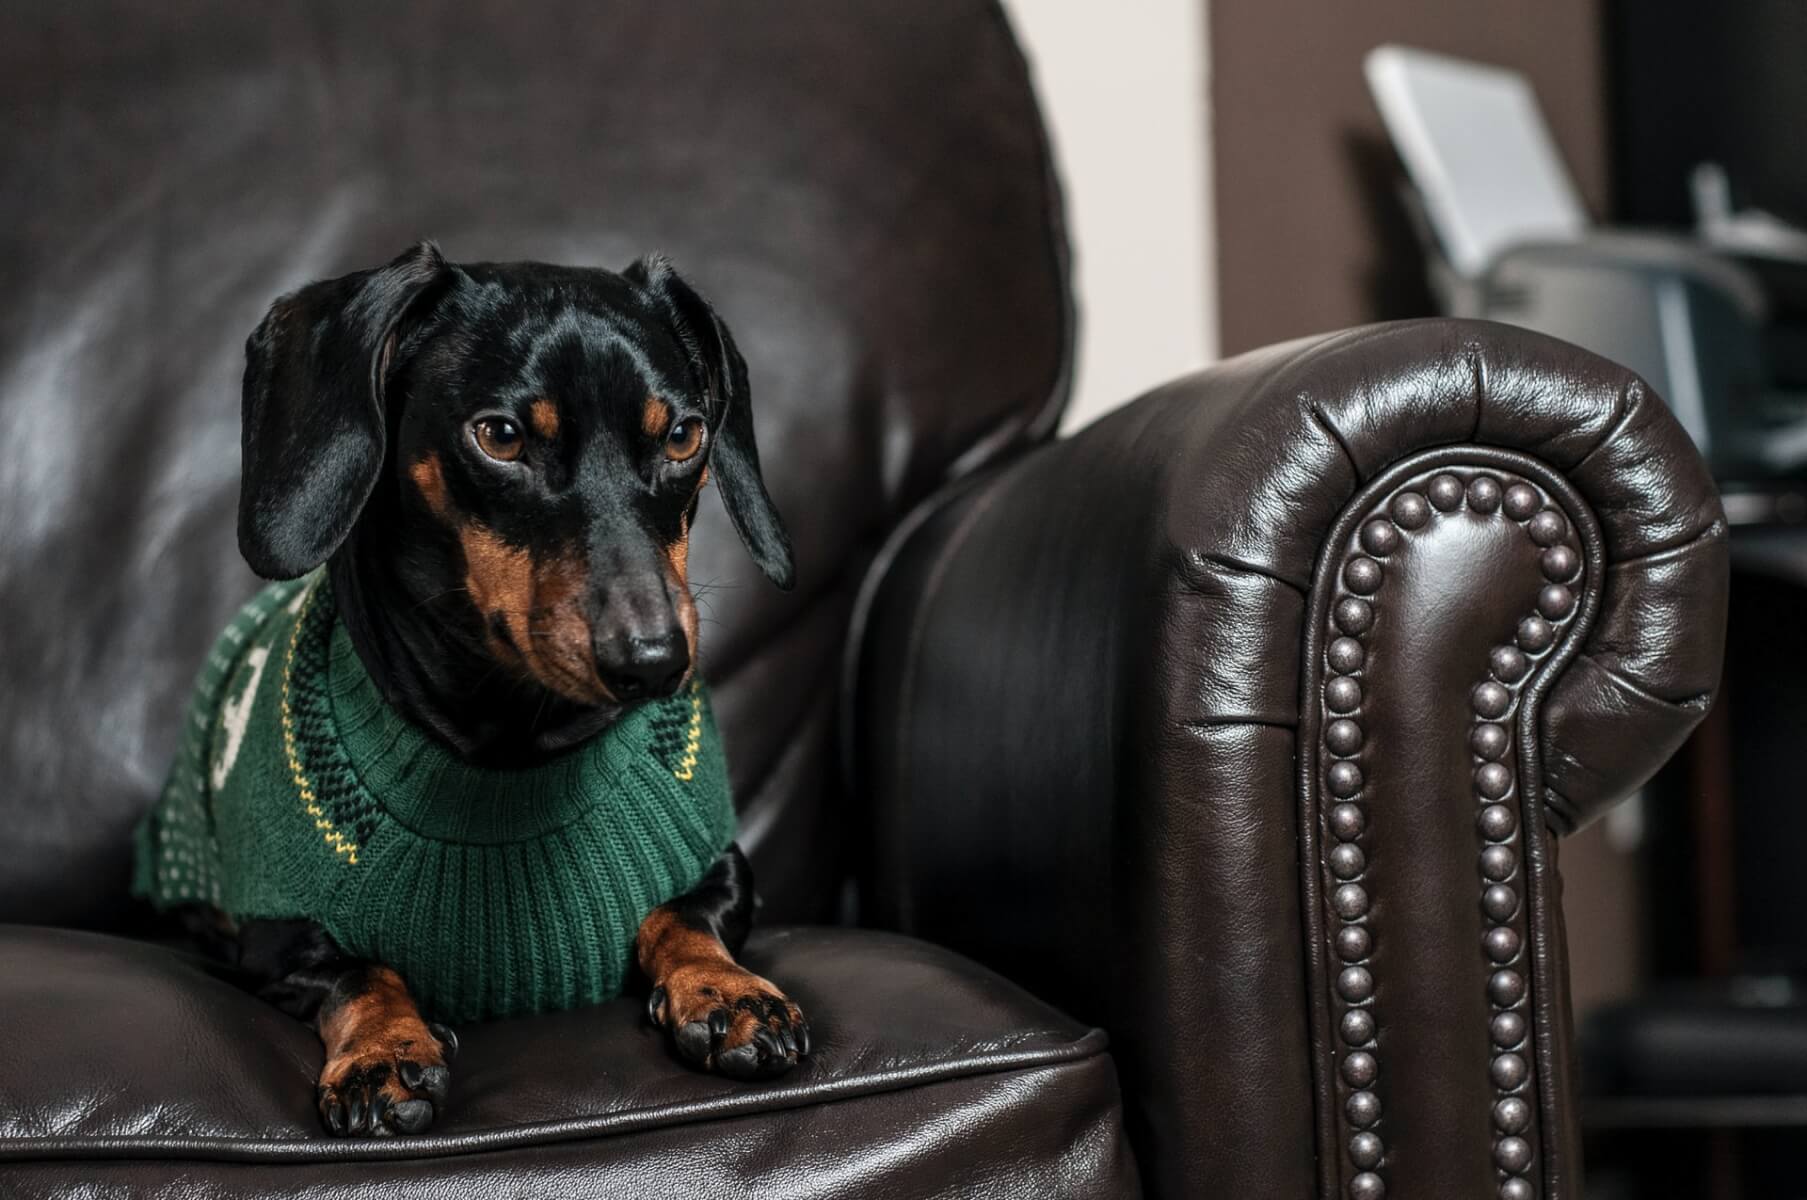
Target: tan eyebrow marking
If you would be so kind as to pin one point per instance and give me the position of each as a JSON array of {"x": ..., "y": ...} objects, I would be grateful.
[
  {"x": 544, "y": 415},
  {"x": 655, "y": 418}
]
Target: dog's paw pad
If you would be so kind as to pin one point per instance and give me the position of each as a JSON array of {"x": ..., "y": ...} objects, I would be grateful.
[
  {"x": 378, "y": 1089},
  {"x": 724, "y": 1018}
]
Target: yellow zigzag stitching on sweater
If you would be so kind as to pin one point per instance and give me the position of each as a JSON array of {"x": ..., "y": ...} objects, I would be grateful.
[
  {"x": 693, "y": 737},
  {"x": 338, "y": 841}
]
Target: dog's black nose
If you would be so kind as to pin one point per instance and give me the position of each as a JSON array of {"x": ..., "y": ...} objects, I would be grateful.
[{"x": 643, "y": 668}]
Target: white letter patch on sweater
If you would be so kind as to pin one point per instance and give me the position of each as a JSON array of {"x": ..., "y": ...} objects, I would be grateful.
[{"x": 235, "y": 715}]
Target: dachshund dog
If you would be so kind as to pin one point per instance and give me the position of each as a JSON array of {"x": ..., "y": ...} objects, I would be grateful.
[{"x": 498, "y": 466}]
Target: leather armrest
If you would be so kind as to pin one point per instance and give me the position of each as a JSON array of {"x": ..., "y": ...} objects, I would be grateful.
[{"x": 1110, "y": 697}]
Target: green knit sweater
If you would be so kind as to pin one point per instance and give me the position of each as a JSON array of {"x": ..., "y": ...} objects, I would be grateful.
[{"x": 299, "y": 792}]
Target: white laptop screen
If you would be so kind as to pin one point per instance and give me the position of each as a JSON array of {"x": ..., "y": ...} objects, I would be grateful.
[{"x": 1478, "y": 151}]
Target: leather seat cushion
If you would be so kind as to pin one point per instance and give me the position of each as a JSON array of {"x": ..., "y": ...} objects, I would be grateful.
[{"x": 129, "y": 1063}]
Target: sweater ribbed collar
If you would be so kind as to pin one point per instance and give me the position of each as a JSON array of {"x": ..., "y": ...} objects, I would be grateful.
[{"x": 421, "y": 783}]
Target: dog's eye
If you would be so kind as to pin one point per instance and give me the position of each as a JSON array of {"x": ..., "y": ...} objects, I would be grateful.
[
  {"x": 684, "y": 439},
  {"x": 499, "y": 438}
]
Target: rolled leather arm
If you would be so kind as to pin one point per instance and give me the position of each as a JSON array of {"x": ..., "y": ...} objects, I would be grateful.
[{"x": 1240, "y": 722}]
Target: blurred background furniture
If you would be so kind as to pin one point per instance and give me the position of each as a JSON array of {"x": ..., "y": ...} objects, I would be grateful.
[
  {"x": 1505, "y": 237},
  {"x": 1168, "y": 810},
  {"x": 1714, "y": 317}
]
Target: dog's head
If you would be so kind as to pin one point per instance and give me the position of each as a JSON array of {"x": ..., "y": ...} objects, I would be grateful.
[{"x": 527, "y": 443}]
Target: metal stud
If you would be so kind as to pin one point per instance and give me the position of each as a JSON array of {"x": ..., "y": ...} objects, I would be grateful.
[
  {"x": 1547, "y": 527},
  {"x": 1516, "y": 1188},
  {"x": 1347, "y": 822},
  {"x": 1363, "y": 1109},
  {"x": 1535, "y": 634},
  {"x": 1508, "y": 1071},
  {"x": 1357, "y": 1027},
  {"x": 1445, "y": 491},
  {"x": 1367, "y": 1186},
  {"x": 1491, "y": 700},
  {"x": 1345, "y": 779},
  {"x": 1343, "y": 736},
  {"x": 1506, "y": 988},
  {"x": 1511, "y": 1115},
  {"x": 1508, "y": 663},
  {"x": 1492, "y": 780},
  {"x": 1521, "y": 501},
  {"x": 1346, "y": 654},
  {"x": 1498, "y": 863},
  {"x": 1501, "y": 943},
  {"x": 1359, "y": 1069},
  {"x": 1353, "y": 944},
  {"x": 1363, "y": 575},
  {"x": 1508, "y": 1030},
  {"x": 1488, "y": 740},
  {"x": 1555, "y": 601},
  {"x": 1379, "y": 536},
  {"x": 1409, "y": 510},
  {"x": 1354, "y": 984},
  {"x": 1512, "y": 1153},
  {"x": 1497, "y": 822},
  {"x": 1497, "y": 900},
  {"x": 1354, "y": 616},
  {"x": 1484, "y": 493},
  {"x": 1365, "y": 1150},
  {"x": 1560, "y": 564},
  {"x": 1347, "y": 860},
  {"x": 1343, "y": 694},
  {"x": 1350, "y": 901}
]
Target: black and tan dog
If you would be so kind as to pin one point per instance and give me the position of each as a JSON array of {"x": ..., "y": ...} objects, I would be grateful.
[{"x": 499, "y": 465}]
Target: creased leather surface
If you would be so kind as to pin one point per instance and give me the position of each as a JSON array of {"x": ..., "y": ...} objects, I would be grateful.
[
  {"x": 1079, "y": 690},
  {"x": 127, "y": 1052},
  {"x": 863, "y": 190}
]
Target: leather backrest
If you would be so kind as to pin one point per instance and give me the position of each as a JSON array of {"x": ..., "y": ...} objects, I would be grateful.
[{"x": 863, "y": 188}]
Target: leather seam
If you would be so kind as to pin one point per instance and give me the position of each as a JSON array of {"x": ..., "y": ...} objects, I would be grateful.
[{"x": 1090, "y": 1046}]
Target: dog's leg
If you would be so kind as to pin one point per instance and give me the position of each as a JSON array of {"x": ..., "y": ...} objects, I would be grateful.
[
  {"x": 386, "y": 1068},
  {"x": 720, "y": 1015}
]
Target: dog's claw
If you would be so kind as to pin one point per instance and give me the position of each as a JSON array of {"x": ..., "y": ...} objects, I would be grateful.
[
  {"x": 335, "y": 1112},
  {"x": 448, "y": 1041},
  {"x": 359, "y": 1114},
  {"x": 655, "y": 1005}
]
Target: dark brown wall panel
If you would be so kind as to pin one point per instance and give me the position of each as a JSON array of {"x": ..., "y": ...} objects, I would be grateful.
[{"x": 1310, "y": 233}]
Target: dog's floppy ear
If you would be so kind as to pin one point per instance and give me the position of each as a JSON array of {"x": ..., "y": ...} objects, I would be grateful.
[
  {"x": 314, "y": 418},
  {"x": 717, "y": 363}
]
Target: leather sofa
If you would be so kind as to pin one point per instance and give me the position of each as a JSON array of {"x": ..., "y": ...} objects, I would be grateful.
[{"x": 1168, "y": 810}]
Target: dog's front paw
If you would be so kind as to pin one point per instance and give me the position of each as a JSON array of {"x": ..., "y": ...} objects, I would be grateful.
[
  {"x": 724, "y": 1018},
  {"x": 393, "y": 1081}
]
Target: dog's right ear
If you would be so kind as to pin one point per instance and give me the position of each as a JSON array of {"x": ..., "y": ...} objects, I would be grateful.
[{"x": 314, "y": 416}]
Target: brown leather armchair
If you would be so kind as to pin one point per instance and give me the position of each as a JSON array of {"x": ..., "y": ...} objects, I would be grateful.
[{"x": 1240, "y": 727}]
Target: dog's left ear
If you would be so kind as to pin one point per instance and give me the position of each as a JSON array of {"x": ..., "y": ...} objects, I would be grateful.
[
  {"x": 717, "y": 363},
  {"x": 314, "y": 416}
]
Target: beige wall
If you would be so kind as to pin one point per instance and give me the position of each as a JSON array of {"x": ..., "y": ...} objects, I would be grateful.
[{"x": 1123, "y": 89}]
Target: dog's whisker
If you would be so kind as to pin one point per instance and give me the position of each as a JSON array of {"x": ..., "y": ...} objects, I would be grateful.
[{"x": 436, "y": 596}]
